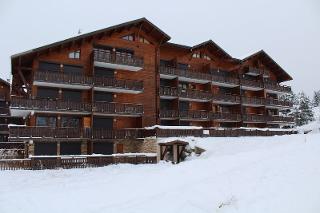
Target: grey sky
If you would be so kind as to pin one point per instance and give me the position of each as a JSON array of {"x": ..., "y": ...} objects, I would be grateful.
[{"x": 288, "y": 30}]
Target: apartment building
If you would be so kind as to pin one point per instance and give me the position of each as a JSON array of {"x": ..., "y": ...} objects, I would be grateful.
[{"x": 85, "y": 94}]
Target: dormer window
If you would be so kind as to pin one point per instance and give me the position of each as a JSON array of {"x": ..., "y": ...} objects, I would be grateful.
[
  {"x": 128, "y": 37},
  {"x": 206, "y": 57},
  {"x": 74, "y": 55},
  {"x": 196, "y": 55},
  {"x": 144, "y": 40}
]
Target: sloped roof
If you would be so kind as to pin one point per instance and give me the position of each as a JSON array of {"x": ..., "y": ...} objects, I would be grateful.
[
  {"x": 165, "y": 37},
  {"x": 213, "y": 45},
  {"x": 209, "y": 44},
  {"x": 268, "y": 61},
  {"x": 5, "y": 82}
]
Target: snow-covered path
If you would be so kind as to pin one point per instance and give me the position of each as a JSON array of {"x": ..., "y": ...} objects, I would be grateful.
[{"x": 266, "y": 174}]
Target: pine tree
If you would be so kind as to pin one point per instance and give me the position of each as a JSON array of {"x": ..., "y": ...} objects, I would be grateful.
[
  {"x": 303, "y": 112},
  {"x": 316, "y": 98}
]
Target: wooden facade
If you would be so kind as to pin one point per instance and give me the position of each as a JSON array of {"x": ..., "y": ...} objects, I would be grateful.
[{"x": 126, "y": 77}]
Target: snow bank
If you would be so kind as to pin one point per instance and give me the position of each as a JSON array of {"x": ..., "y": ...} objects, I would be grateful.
[{"x": 246, "y": 174}]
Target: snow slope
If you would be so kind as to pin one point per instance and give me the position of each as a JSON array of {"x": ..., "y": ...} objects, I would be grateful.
[{"x": 248, "y": 174}]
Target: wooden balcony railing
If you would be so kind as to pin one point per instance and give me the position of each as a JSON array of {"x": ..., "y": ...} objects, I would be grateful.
[
  {"x": 251, "y": 83},
  {"x": 190, "y": 94},
  {"x": 226, "y": 79},
  {"x": 117, "y": 108},
  {"x": 107, "y": 56},
  {"x": 270, "y": 85},
  {"x": 194, "y": 74},
  {"x": 38, "y": 132},
  {"x": 48, "y": 132},
  {"x": 254, "y": 118},
  {"x": 194, "y": 115},
  {"x": 195, "y": 94},
  {"x": 118, "y": 83},
  {"x": 253, "y": 100},
  {"x": 225, "y": 116},
  {"x": 226, "y": 98},
  {"x": 280, "y": 119},
  {"x": 169, "y": 114},
  {"x": 62, "y": 78},
  {"x": 117, "y": 134},
  {"x": 49, "y": 105},
  {"x": 184, "y": 73},
  {"x": 168, "y": 91},
  {"x": 77, "y": 79},
  {"x": 276, "y": 102}
]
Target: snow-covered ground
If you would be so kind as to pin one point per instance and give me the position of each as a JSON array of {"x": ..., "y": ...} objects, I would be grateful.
[{"x": 248, "y": 174}]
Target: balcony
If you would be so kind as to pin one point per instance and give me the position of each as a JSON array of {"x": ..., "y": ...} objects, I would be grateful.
[
  {"x": 23, "y": 107},
  {"x": 274, "y": 87},
  {"x": 184, "y": 75},
  {"x": 185, "y": 95},
  {"x": 254, "y": 118},
  {"x": 169, "y": 114},
  {"x": 40, "y": 133},
  {"x": 117, "y": 109},
  {"x": 254, "y": 71},
  {"x": 77, "y": 81},
  {"x": 108, "y": 59},
  {"x": 224, "y": 79},
  {"x": 117, "y": 85},
  {"x": 225, "y": 99},
  {"x": 168, "y": 93},
  {"x": 194, "y": 95},
  {"x": 276, "y": 119},
  {"x": 277, "y": 104},
  {"x": 61, "y": 80},
  {"x": 37, "y": 132},
  {"x": 193, "y": 115},
  {"x": 117, "y": 134},
  {"x": 252, "y": 85},
  {"x": 253, "y": 101},
  {"x": 225, "y": 117}
]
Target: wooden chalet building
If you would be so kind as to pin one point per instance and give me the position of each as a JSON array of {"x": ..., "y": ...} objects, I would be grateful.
[{"x": 88, "y": 93}]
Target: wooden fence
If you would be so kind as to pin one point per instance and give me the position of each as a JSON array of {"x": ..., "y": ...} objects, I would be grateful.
[{"x": 40, "y": 163}]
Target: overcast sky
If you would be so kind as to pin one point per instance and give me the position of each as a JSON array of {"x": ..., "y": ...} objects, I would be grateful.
[{"x": 288, "y": 30}]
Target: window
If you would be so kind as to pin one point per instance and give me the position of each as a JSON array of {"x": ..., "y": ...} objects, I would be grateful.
[
  {"x": 75, "y": 54},
  {"x": 70, "y": 122},
  {"x": 49, "y": 67},
  {"x": 71, "y": 69},
  {"x": 196, "y": 55},
  {"x": 70, "y": 95},
  {"x": 103, "y": 97},
  {"x": 47, "y": 93},
  {"x": 128, "y": 37},
  {"x": 144, "y": 40},
  {"x": 46, "y": 121},
  {"x": 206, "y": 57}
]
